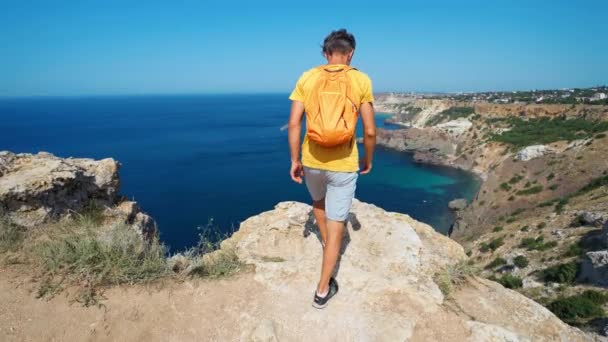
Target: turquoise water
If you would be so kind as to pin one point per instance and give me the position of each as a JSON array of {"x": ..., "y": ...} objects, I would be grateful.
[{"x": 189, "y": 159}]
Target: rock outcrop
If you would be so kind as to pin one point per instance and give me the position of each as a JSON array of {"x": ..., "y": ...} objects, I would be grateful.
[
  {"x": 387, "y": 288},
  {"x": 594, "y": 268},
  {"x": 40, "y": 188},
  {"x": 456, "y": 127},
  {"x": 457, "y": 204},
  {"x": 531, "y": 152}
]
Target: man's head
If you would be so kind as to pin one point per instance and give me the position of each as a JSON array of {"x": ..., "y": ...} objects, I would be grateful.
[{"x": 339, "y": 46}]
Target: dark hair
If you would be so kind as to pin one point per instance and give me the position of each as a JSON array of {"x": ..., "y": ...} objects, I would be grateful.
[{"x": 339, "y": 41}]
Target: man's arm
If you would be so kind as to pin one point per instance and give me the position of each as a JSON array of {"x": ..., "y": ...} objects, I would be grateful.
[
  {"x": 295, "y": 131},
  {"x": 369, "y": 136}
]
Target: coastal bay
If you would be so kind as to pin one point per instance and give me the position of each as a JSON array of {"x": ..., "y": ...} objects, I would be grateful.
[{"x": 195, "y": 161}]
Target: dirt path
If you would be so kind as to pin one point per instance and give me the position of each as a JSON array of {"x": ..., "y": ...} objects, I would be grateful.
[{"x": 178, "y": 312}]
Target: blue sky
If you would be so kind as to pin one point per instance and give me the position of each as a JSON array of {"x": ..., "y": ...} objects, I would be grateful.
[{"x": 121, "y": 47}]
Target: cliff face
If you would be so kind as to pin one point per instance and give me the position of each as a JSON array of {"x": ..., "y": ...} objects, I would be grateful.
[
  {"x": 535, "y": 200},
  {"x": 399, "y": 280}
]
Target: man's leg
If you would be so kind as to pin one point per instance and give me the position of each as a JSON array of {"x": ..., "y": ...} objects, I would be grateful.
[
  {"x": 330, "y": 253},
  {"x": 316, "y": 184},
  {"x": 340, "y": 192},
  {"x": 318, "y": 209}
]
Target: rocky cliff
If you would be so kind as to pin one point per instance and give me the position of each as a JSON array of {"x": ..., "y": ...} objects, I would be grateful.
[
  {"x": 399, "y": 279},
  {"x": 388, "y": 274},
  {"x": 42, "y": 188},
  {"x": 543, "y": 171}
]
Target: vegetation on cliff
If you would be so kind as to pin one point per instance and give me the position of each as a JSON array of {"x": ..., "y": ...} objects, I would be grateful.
[
  {"x": 545, "y": 130},
  {"x": 451, "y": 113},
  {"x": 85, "y": 256}
]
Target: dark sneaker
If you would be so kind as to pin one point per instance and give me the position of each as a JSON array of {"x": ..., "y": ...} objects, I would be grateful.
[{"x": 321, "y": 302}]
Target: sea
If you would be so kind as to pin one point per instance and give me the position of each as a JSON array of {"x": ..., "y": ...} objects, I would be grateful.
[{"x": 200, "y": 162}]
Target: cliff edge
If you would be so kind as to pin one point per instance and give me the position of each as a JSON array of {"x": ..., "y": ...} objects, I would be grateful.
[{"x": 399, "y": 280}]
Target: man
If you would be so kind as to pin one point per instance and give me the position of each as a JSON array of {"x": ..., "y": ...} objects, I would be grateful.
[{"x": 330, "y": 170}]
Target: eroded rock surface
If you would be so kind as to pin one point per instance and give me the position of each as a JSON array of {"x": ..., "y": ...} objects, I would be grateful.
[
  {"x": 387, "y": 291},
  {"x": 39, "y": 188}
]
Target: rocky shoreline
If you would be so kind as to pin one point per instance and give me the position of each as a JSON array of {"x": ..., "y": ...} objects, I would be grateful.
[{"x": 528, "y": 219}]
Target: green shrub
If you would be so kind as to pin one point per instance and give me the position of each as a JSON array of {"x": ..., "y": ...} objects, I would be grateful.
[
  {"x": 578, "y": 221},
  {"x": 81, "y": 256},
  {"x": 518, "y": 211},
  {"x": 515, "y": 179},
  {"x": 497, "y": 229},
  {"x": 551, "y": 176},
  {"x": 553, "y": 187},
  {"x": 525, "y": 228},
  {"x": 538, "y": 244},
  {"x": 221, "y": 263},
  {"x": 498, "y": 261},
  {"x": 530, "y": 191},
  {"x": 505, "y": 186},
  {"x": 596, "y": 296},
  {"x": 594, "y": 184},
  {"x": 492, "y": 245},
  {"x": 510, "y": 281},
  {"x": 562, "y": 273},
  {"x": 510, "y": 220},
  {"x": 11, "y": 236},
  {"x": 547, "y": 203},
  {"x": 548, "y": 130},
  {"x": 559, "y": 207},
  {"x": 541, "y": 225},
  {"x": 600, "y": 136},
  {"x": 453, "y": 275},
  {"x": 572, "y": 309},
  {"x": 520, "y": 261},
  {"x": 574, "y": 250}
]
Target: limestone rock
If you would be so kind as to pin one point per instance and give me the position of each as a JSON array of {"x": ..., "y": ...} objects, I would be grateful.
[
  {"x": 593, "y": 218},
  {"x": 594, "y": 268},
  {"x": 455, "y": 127},
  {"x": 387, "y": 291},
  {"x": 37, "y": 187},
  {"x": 531, "y": 152},
  {"x": 457, "y": 204}
]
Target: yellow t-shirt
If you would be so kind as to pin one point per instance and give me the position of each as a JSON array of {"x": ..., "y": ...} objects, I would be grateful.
[{"x": 342, "y": 158}]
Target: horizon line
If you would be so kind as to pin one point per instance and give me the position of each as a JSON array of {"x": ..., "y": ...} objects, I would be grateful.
[{"x": 34, "y": 96}]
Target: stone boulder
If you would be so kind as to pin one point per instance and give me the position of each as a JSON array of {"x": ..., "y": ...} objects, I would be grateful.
[
  {"x": 457, "y": 204},
  {"x": 593, "y": 218},
  {"x": 386, "y": 274},
  {"x": 594, "y": 268},
  {"x": 40, "y": 188},
  {"x": 531, "y": 152}
]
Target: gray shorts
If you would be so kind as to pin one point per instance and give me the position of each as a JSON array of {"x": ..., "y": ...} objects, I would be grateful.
[{"x": 338, "y": 189}]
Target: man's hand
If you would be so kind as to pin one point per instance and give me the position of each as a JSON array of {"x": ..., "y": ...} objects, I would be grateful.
[
  {"x": 366, "y": 166},
  {"x": 297, "y": 171}
]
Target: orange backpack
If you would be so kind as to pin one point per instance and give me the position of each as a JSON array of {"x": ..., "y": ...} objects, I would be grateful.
[{"x": 331, "y": 113}]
